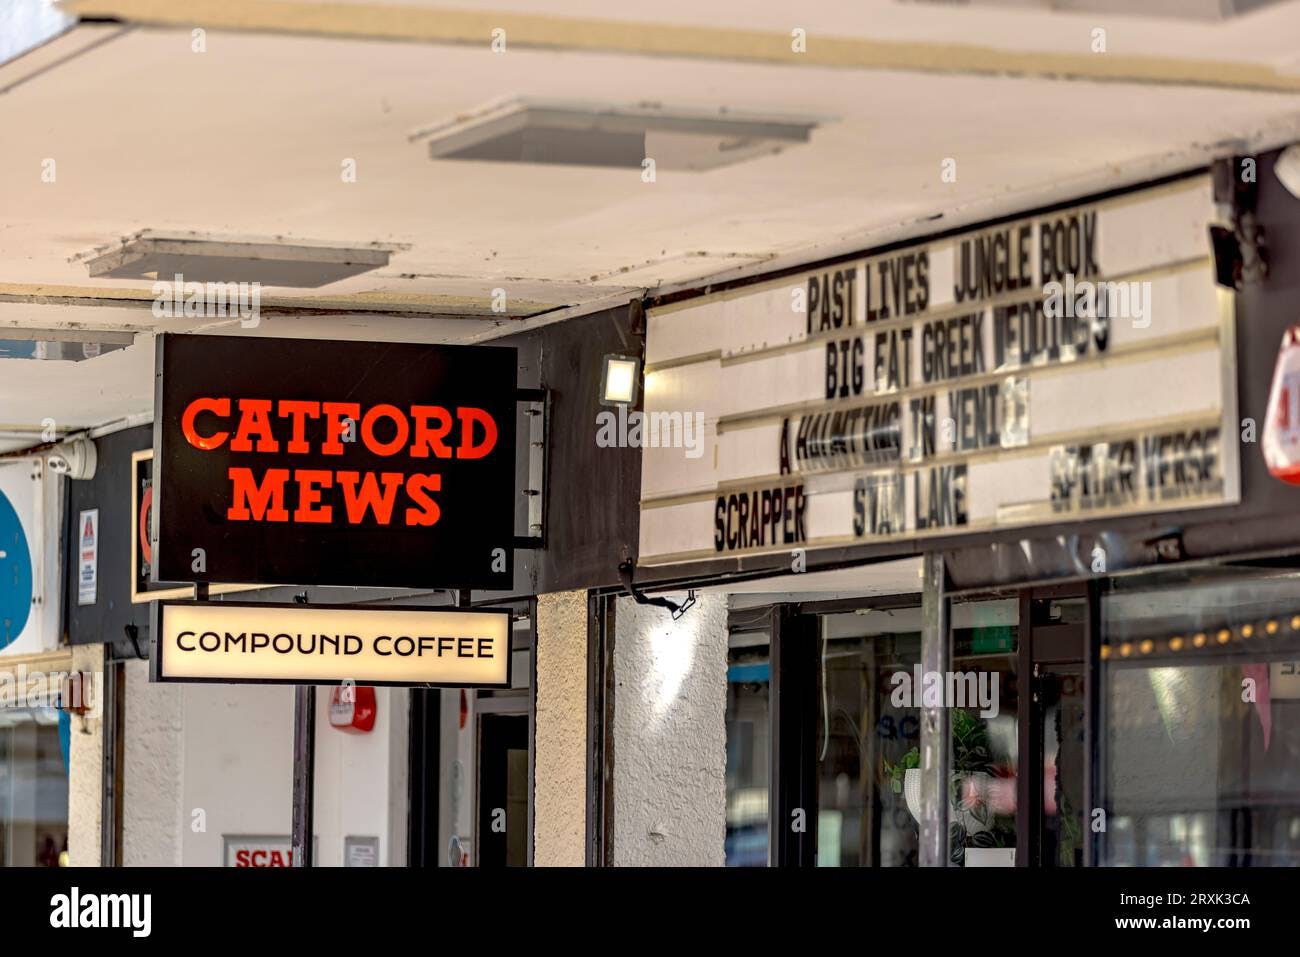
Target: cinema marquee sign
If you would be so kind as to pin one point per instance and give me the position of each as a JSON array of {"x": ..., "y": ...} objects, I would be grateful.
[
  {"x": 251, "y": 642},
  {"x": 281, "y": 461},
  {"x": 1066, "y": 365}
]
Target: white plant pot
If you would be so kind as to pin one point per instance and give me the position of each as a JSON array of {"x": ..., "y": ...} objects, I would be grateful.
[
  {"x": 912, "y": 792},
  {"x": 990, "y": 857},
  {"x": 963, "y": 813}
]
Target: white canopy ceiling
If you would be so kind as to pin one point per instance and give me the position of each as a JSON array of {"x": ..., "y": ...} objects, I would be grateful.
[{"x": 250, "y": 138}]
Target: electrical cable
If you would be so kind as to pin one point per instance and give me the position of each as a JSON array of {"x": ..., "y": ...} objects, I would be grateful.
[{"x": 625, "y": 571}]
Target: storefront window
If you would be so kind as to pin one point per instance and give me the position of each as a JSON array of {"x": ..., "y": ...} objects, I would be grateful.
[
  {"x": 1200, "y": 697},
  {"x": 33, "y": 787},
  {"x": 867, "y": 757},
  {"x": 983, "y": 730},
  {"x": 869, "y": 736},
  {"x": 748, "y": 749}
]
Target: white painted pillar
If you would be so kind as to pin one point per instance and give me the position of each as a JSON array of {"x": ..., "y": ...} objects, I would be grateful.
[{"x": 670, "y": 736}]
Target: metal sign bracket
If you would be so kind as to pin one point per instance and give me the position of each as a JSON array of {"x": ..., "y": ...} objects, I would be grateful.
[{"x": 538, "y": 409}]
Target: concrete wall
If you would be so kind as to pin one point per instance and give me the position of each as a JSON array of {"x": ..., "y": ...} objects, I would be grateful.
[
  {"x": 670, "y": 739},
  {"x": 85, "y": 766},
  {"x": 361, "y": 780},
  {"x": 560, "y": 762},
  {"x": 236, "y": 766},
  {"x": 204, "y": 761}
]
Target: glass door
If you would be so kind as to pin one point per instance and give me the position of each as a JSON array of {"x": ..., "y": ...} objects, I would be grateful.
[
  {"x": 1060, "y": 706},
  {"x": 1056, "y": 737},
  {"x": 33, "y": 787},
  {"x": 848, "y": 697}
]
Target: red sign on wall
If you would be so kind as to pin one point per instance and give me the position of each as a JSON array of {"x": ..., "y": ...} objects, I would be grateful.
[{"x": 257, "y": 851}]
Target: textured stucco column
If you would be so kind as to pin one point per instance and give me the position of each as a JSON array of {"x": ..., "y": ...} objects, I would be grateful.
[
  {"x": 560, "y": 761},
  {"x": 86, "y": 765},
  {"x": 153, "y": 760},
  {"x": 670, "y": 736}
]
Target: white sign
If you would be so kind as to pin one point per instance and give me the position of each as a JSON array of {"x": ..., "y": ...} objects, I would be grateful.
[
  {"x": 329, "y": 644},
  {"x": 88, "y": 557},
  {"x": 258, "y": 851},
  {"x": 1069, "y": 365},
  {"x": 360, "y": 851}
]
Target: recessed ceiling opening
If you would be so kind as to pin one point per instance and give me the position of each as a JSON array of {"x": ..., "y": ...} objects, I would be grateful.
[
  {"x": 65, "y": 344},
  {"x": 154, "y": 256},
  {"x": 577, "y": 133}
]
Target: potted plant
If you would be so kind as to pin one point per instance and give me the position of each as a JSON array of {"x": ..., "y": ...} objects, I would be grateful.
[
  {"x": 971, "y": 819},
  {"x": 905, "y": 779}
]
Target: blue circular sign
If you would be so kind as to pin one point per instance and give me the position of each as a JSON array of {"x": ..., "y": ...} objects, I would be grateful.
[{"x": 15, "y": 575}]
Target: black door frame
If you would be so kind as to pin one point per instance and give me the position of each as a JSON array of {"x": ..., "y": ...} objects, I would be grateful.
[
  {"x": 1049, "y": 644},
  {"x": 424, "y": 761},
  {"x": 792, "y": 716},
  {"x": 793, "y": 710}
]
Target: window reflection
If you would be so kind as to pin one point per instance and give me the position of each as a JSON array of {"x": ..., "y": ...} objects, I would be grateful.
[
  {"x": 866, "y": 742},
  {"x": 1062, "y": 717},
  {"x": 748, "y": 677},
  {"x": 1201, "y": 702},
  {"x": 869, "y": 736},
  {"x": 33, "y": 787},
  {"x": 984, "y": 736}
]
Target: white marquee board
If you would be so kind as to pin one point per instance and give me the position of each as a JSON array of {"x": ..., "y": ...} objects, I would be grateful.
[{"x": 937, "y": 390}]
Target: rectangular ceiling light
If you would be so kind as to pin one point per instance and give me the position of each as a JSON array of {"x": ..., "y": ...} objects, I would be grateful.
[
  {"x": 579, "y": 133},
  {"x": 161, "y": 256}
]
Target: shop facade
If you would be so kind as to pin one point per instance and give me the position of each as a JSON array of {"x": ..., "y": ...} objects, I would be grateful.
[
  {"x": 201, "y": 774},
  {"x": 894, "y": 560},
  {"x": 981, "y": 577}
]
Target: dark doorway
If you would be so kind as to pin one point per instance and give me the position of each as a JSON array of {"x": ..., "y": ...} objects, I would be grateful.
[{"x": 503, "y": 790}]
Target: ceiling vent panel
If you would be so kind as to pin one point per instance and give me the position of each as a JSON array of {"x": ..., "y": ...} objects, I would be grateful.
[
  {"x": 579, "y": 133},
  {"x": 155, "y": 256}
]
